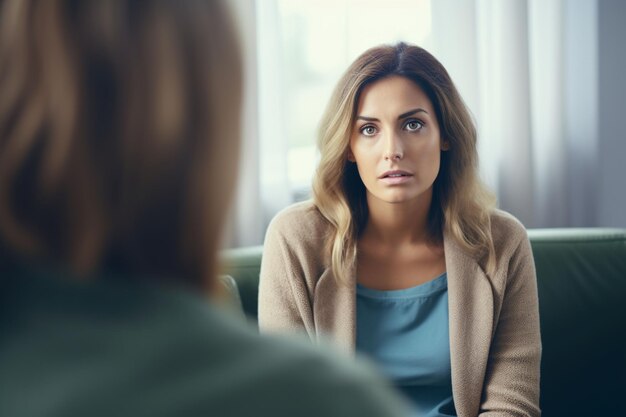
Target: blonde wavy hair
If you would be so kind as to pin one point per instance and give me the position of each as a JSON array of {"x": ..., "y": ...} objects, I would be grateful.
[
  {"x": 461, "y": 204},
  {"x": 118, "y": 135}
]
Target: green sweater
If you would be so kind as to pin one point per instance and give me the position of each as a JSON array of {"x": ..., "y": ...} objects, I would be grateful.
[{"x": 108, "y": 348}]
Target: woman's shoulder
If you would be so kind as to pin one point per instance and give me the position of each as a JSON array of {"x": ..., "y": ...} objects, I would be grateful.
[
  {"x": 506, "y": 230},
  {"x": 299, "y": 218}
]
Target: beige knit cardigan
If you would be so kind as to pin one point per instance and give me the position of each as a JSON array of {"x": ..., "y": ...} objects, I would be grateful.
[{"x": 495, "y": 345}]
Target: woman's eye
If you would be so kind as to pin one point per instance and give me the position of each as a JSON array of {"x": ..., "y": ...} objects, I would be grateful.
[
  {"x": 368, "y": 130},
  {"x": 413, "y": 125}
]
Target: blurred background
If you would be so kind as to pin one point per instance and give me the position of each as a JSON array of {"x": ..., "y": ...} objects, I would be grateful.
[{"x": 544, "y": 79}]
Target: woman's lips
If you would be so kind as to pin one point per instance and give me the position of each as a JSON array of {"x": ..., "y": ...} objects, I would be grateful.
[{"x": 396, "y": 177}]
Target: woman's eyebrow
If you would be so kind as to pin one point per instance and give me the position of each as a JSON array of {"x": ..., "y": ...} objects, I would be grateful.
[
  {"x": 412, "y": 112},
  {"x": 367, "y": 119},
  {"x": 402, "y": 116}
]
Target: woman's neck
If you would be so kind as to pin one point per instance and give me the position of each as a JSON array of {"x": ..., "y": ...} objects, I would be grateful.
[{"x": 398, "y": 223}]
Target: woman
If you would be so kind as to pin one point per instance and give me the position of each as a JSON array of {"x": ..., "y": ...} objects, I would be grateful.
[
  {"x": 401, "y": 255},
  {"x": 118, "y": 154}
]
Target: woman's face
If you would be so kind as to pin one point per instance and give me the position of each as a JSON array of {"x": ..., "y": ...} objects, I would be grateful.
[{"x": 395, "y": 141}]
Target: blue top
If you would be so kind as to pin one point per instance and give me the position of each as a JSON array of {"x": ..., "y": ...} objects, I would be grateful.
[{"x": 405, "y": 332}]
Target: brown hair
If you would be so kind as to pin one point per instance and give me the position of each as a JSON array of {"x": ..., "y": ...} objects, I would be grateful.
[
  {"x": 118, "y": 134},
  {"x": 461, "y": 203}
]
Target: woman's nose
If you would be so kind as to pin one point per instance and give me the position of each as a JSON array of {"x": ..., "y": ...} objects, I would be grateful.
[{"x": 393, "y": 148}]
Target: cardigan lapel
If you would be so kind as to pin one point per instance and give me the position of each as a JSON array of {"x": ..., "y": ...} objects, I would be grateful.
[
  {"x": 470, "y": 300},
  {"x": 334, "y": 310}
]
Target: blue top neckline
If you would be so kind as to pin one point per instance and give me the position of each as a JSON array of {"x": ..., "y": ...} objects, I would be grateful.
[{"x": 422, "y": 290}]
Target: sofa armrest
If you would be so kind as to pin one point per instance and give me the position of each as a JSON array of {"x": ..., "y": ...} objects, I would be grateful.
[{"x": 244, "y": 265}]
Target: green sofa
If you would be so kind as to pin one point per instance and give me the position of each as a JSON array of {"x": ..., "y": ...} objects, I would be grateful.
[{"x": 581, "y": 275}]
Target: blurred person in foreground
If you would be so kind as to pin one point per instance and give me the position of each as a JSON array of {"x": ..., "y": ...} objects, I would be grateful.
[{"x": 118, "y": 143}]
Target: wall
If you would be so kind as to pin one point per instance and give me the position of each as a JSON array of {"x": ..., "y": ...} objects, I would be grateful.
[{"x": 611, "y": 209}]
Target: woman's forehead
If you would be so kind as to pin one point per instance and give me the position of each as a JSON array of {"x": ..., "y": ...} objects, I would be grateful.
[{"x": 391, "y": 97}]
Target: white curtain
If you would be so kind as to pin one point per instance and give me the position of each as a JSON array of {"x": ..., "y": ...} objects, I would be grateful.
[
  {"x": 274, "y": 181},
  {"x": 528, "y": 71},
  {"x": 245, "y": 226},
  {"x": 263, "y": 186}
]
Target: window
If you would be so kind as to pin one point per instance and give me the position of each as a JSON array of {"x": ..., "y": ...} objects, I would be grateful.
[{"x": 311, "y": 45}]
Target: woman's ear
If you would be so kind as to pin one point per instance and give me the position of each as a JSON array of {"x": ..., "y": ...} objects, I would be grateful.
[
  {"x": 445, "y": 145},
  {"x": 351, "y": 156}
]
